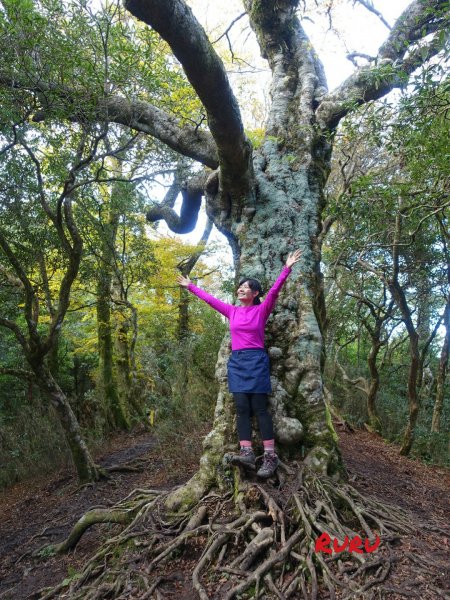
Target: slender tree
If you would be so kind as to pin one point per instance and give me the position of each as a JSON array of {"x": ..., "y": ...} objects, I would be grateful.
[
  {"x": 38, "y": 342},
  {"x": 445, "y": 350}
]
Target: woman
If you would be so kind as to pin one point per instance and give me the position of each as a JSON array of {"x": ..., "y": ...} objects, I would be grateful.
[{"x": 248, "y": 366}]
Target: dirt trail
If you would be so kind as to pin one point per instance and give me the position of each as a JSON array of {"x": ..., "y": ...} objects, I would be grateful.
[{"x": 36, "y": 513}]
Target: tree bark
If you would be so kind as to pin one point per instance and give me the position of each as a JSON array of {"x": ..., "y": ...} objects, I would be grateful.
[
  {"x": 125, "y": 362},
  {"x": 441, "y": 374},
  {"x": 122, "y": 353},
  {"x": 374, "y": 419},
  {"x": 114, "y": 408},
  {"x": 287, "y": 217},
  {"x": 84, "y": 464},
  {"x": 270, "y": 203}
]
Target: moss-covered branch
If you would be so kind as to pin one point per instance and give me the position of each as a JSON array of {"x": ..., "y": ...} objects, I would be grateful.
[
  {"x": 407, "y": 47},
  {"x": 176, "y": 24}
]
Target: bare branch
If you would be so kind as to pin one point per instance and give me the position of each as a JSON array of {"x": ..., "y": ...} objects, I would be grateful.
[
  {"x": 326, "y": 226},
  {"x": 371, "y": 8},
  {"x": 230, "y": 26},
  {"x": 397, "y": 58},
  {"x": 352, "y": 56}
]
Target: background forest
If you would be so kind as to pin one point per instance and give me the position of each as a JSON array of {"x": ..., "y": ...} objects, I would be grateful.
[{"x": 96, "y": 337}]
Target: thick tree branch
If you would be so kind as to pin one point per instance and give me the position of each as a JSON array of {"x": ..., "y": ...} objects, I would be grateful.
[
  {"x": 397, "y": 58},
  {"x": 174, "y": 21},
  {"x": 142, "y": 116},
  {"x": 228, "y": 29},
  {"x": 360, "y": 383},
  {"x": 138, "y": 115},
  {"x": 14, "y": 281},
  {"x": 418, "y": 20},
  {"x": 298, "y": 78}
]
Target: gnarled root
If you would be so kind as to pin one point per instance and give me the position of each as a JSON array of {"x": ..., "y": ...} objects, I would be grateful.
[{"x": 257, "y": 541}]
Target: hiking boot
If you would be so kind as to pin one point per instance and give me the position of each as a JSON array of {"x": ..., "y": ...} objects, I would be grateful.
[
  {"x": 269, "y": 466},
  {"x": 246, "y": 458}
]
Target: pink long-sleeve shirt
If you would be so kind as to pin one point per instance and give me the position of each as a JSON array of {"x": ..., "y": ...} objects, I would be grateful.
[{"x": 247, "y": 323}]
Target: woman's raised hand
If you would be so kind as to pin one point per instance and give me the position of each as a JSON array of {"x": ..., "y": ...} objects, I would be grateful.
[
  {"x": 292, "y": 258},
  {"x": 183, "y": 281}
]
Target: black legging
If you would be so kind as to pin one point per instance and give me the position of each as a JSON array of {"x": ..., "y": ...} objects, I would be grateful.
[{"x": 248, "y": 405}]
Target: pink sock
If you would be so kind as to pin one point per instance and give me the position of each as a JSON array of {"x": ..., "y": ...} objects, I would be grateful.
[
  {"x": 269, "y": 446},
  {"x": 245, "y": 443}
]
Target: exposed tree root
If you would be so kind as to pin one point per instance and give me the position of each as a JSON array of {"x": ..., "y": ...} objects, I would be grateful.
[
  {"x": 257, "y": 541},
  {"x": 135, "y": 465}
]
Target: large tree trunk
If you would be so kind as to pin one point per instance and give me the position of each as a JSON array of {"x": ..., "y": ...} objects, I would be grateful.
[
  {"x": 267, "y": 206},
  {"x": 122, "y": 352},
  {"x": 287, "y": 217},
  {"x": 415, "y": 366},
  {"x": 113, "y": 407},
  {"x": 270, "y": 203}
]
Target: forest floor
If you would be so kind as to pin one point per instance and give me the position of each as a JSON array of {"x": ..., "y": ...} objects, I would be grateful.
[{"x": 37, "y": 513}]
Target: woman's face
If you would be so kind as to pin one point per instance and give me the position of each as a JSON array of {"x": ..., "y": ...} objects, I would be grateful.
[{"x": 245, "y": 294}]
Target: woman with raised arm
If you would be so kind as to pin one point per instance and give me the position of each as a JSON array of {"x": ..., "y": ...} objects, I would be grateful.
[{"x": 248, "y": 366}]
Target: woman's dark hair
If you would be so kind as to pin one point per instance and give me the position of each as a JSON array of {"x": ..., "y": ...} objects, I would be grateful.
[{"x": 255, "y": 286}]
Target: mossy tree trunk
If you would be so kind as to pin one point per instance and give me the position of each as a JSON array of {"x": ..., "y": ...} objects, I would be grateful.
[
  {"x": 270, "y": 201},
  {"x": 125, "y": 337},
  {"x": 441, "y": 374},
  {"x": 374, "y": 384},
  {"x": 380, "y": 316},
  {"x": 114, "y": 407},
  {"x": 445, "y": 351},
  {"x": 86, "y": 469}
]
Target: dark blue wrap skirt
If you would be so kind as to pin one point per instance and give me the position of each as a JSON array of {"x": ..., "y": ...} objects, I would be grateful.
[{"x": 249, "y": 371}]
